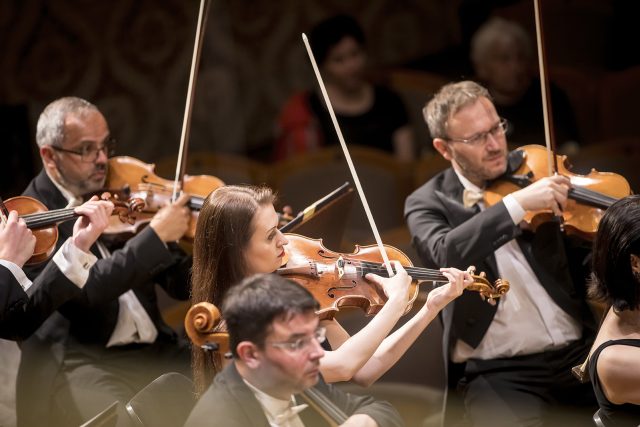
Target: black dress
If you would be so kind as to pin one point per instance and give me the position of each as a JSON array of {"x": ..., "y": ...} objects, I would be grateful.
[{"x": 611, "y": 414}]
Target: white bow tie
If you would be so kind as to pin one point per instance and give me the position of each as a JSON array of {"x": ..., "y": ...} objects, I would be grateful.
[
  {"x": 470, "y": 197},
  {"x": 289, "y": 413}
]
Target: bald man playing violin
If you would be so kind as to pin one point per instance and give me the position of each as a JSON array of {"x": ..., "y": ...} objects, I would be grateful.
[
  {"x": 513, "y": 360},
  {"x": 24, "y": 305},
  {"x": 107, "y": 344}
]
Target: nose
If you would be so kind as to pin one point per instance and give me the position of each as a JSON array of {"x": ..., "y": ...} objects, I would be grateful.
[
  {"x": 316, "y": 350},
  {"x": 282, "y": 239},
  {"x": 492, "y": 142},
  {"x": 102, "y": 155}
]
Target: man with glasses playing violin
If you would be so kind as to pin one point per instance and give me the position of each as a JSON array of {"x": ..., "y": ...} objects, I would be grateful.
[
  {"x": 275, "y": 341},
  {"x": 107, "y": 344},
  {"x": 514, "y": 358}
]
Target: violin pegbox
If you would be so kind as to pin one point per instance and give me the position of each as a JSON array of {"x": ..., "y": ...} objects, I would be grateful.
[
  {"x": 487, "y": 291},
  {"x": 125, "y": 209}
]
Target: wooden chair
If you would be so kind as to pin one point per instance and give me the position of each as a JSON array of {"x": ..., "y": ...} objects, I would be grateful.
[
  {"x": 416, "y": 88},
  {"x": 386, "y": 182},
  {"x": 427, "y": 166},
  {"x": 618, "y": 94},
  {"x": 229, "y": 168},
  {"x": 582, "y": 90}
]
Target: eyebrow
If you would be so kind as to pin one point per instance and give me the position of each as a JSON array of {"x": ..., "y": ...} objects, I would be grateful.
[{"x": 91, "y": 141}]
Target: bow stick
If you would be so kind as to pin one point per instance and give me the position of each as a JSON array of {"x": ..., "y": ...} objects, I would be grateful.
[
  {"x": 345, "y": 150},
  {"x": 186, "y": 122},
  {"x": 544, "y": 87}
]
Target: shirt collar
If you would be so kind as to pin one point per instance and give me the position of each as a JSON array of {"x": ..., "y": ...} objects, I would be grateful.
[
  {"x": 271, "y": 405},
  {"x": 468, "y": 185}
]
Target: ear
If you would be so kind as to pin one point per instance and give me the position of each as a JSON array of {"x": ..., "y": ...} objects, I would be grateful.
[
  {"x": 442, "y": 147},
  {"x": 250, "y": 354},
  {"x": 47, "y": 153},
  {"x": 635, "y": 264}
]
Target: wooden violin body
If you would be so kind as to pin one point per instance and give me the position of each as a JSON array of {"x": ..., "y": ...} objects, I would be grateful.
[
  {"x": 43, "y": 222},
  {"x": 337, "y": 280},
  {"x": 589, "y": 196},
  {"x": 137, "y": 179}
]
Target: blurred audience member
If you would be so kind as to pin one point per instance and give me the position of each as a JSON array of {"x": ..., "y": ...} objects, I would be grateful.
[
  {"x": 503, "y": 58},
  {"x": 368, "y": 114}
]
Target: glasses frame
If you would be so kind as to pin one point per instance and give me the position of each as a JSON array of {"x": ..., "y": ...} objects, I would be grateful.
[
  {"x": 300, "y": 344},
  {"x": 500, "y": 129},
  {"x": 108, "y": 147}
]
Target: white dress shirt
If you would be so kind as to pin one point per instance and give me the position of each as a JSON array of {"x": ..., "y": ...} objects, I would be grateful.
[
  {"x": 279, "y": 413},
  {"x": 527, "y": 320},
  {"x": 134, "y": 324}
]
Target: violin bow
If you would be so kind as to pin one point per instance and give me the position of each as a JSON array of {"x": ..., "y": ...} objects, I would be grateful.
[
  {"x": 186, "y": 122},
  {"x": 547, "y": 113},
  {"x": 347, "y": 156}
]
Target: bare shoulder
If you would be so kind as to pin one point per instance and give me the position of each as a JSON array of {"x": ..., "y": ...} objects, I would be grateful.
[{"x": 618, "y": 368}]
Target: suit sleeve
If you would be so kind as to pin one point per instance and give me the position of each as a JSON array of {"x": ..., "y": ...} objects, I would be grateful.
[
  {"x": 139, "y": 261},
  {"x": 24, "y": 312},
  {"x": 383, "y": 413},
  {"x": 441, "y": 243}
]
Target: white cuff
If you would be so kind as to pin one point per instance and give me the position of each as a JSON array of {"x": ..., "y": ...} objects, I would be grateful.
[
  {"x": 74, "y": 263},
  {"x": 17, "y": 273},
  {"x": 513, "y": 207}
]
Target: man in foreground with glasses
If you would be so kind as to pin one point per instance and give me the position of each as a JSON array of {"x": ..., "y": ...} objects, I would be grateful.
[
  {"x": 111, "y": 342},
  {"x": 275, "y": 341},
  {"x": 515, "y": 358}
]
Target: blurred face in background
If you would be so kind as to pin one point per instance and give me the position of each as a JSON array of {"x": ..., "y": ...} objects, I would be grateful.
[
  {"x": 345, "y": 64},
  {"x": 506, "y": 70}
]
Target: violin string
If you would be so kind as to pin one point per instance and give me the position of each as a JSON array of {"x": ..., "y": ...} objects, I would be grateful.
[
  {"x": 414, "y": 272},
  {"x": 43, "y": 219}
]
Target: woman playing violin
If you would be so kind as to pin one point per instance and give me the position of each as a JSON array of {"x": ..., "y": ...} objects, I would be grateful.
[
  {"x": 519, "y": 353},
  {"x": 237, "y": 236},
  {"x": 614, "y": 364}
]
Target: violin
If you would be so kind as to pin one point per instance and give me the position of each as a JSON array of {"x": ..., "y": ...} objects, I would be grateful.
[
  {"x": 43, "y": 222},
  {"x": 133, "y": 178},
  {"x": 589, "y": 196},
  {"x": 337, "y": 280},
  {"x": 206, "y": 329}
]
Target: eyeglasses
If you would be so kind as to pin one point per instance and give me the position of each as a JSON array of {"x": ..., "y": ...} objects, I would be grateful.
[
  {"x": 303, "y": 343},
  {"x": 481, "y": 138},
  {"x": 89, "y": 153}
]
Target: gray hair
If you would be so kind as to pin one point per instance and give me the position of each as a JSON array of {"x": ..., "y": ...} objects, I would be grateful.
[
  {"x": 494, "y": 31},
  {"x": 448, "y": 101},
  {"x": 50, "y": 128}
]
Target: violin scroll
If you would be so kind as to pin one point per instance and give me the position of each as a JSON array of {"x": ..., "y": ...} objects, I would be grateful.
[
  {"x": 489, "y": 292},
  {"x": 206, "y": 329},
  {"x": 124, "y": 209}
]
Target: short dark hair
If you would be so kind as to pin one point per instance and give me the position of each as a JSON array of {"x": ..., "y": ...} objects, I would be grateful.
[
  {"x": 618, "y": 237},
  {"x": 250, "y": 307},
  {"x": 328, "y": 33}
]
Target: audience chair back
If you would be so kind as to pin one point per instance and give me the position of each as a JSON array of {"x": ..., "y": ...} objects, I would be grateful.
[
  {"x": 165, "y": 402},
  {"x": 107, "y": 418},
  {"x": 597, "y": 420}
]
